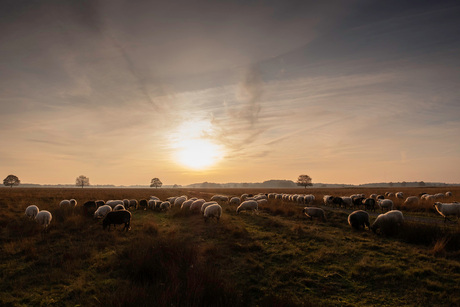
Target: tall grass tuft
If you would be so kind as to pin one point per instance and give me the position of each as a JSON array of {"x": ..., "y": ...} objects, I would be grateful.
[{"x": 173, "y": 274}]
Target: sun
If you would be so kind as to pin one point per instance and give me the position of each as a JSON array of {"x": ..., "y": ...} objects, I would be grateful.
[{"x": 198, "y": 154}]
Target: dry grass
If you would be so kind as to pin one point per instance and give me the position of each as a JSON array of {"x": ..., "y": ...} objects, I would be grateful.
[{"x": 273, "y": 258}]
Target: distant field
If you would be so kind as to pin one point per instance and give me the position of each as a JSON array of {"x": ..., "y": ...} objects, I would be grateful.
[{"x": 274, "y": 258}]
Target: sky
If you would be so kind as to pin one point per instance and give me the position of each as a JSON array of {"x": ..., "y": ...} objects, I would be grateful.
[{"x": 229, "y": 91}]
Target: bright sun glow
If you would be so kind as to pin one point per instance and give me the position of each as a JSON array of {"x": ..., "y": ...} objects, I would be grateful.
[
  {"x": 192, "y": 149},
  {"x": 198, "y": 154}
]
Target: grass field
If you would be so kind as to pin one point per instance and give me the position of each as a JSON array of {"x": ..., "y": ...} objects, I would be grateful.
[{"x": 274, "y": 258}]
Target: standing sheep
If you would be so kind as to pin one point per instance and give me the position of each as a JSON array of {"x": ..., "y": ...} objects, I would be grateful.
[
  {"x": 411, "y": 201},
  {"x": 388, "y": 223},
  {"x": 446, "y": 209},
  {"x": 116, "y": 218},
  {"x": 196, "y": 205},
  {"x": 43, "y": 219},
  {"x": 235, "y": 201},
  {"x": 32, "y": 211},
  {"x": 248, "y": 205},
  {"x": 102, "y": 211},
  {"x": 213, "y": 210},
  {"x": 358, "y": 219},
  {"x": 385, "y": 203},
  {"x": 312, "y": 212}
]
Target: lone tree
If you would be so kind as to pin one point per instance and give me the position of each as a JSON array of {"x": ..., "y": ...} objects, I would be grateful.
[
  {"x": 156, "y": 183},
  {"x": 81, "y": 181},
  {"x": 11, "y": 180},
  {"x": 304, "y": 181}
]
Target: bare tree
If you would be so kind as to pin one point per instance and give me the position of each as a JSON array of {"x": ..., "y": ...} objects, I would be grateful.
[
  {"x": 11, "y": 180},
  {"x": 82, "y": 181},
  {"x": 156, "y": 183},
  {"x": 304, "y": 181}
]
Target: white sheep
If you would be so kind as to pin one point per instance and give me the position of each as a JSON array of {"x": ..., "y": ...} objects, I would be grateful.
[
  {"x": 312, "y": 212},
  {"x": 411, "y": 201},
  {"x": 448, "y": 194},
  {"x": 400, "y": 195},
  {"x": 179, "y": 201},
  {"x": 348, "y": 201},
  {"x": 113, "y": 203},
  {"x": 385, "y": 203},
  {"x": 186, "y": 204},
  {"x": 165, "y": 206},
  {"x": 119, "y": 207},
  {"x": 389, "y": 222},
  {"x": 248, "y": 205},
  {"x": 262, "y": 201},
  {"x": 235, "y": 201},
  {"x": 31, "y": 211},
  {"x": 196, "y": 205},
  {"x": 44, "y": 218},
  {"x": 446, "y": 209},
  {"x": 309, "y": 199},
  {"x": 102, "y": 211},
  {"x": 328, "y": 200},
  {"x": 207, "y": 204},
  {"x": 213, "y": 210}
]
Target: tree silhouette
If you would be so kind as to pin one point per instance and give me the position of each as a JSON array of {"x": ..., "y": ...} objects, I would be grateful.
[
  {"x": 81, "y": 181},
  {"x": 156, "y": 183},
  {"x": 11, "y": 180},
  {"x": 304, "y": 181}
]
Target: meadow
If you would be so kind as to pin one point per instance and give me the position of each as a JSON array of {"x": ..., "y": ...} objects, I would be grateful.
[{"x": 274, "y": 258}]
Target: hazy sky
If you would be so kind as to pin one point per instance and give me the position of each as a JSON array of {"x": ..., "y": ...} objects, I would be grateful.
[{"x": 124, "y": 91}]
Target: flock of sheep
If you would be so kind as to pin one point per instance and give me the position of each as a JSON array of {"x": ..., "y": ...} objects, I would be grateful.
[{"x": 115, "y": 212}]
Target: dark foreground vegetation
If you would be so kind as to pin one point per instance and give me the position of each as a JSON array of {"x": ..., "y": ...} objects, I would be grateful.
[{"x": 174, "y": 258}]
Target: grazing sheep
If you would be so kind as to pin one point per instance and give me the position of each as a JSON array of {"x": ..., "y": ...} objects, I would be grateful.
[
  {"x": 119, "y": 207},
  {"x": 196, "y": 205},
  {"x": 89, "y": 207},
  {"x": 439, "y": 195},
  {"x": 32, "y": 211},
  {"x": 213, "y": 210},
  {"x": 179, "y": 201},
  {"x": 235, "y": 201},
  {"x": 385, "y": 203},
  {"x": 186, "y": 204},
  {"x": 358, "y": 219},
  {"x": 116, "y": 218},
  {"x": 143, "y": 204},
  {"x": 358, "y": 202},
  {"x": 411, "y": 201},
  {"x": 133, "y": 203},
  {"x": 153, "y": 204},
  {"x": 207, "y": 204},
  {"x": 338, "y": 202},
  {"x": 44, "y": 218},
  {"x": 400, "y": 195},
  {"x": 113, "y": 203},
  {"x": 164, "y": 206},
  {"x": 328, "y": 200},
  {"x": 64, "y": 204},
  {"x": 348, "y": 201},
  {"x": 262, "y": 201},
  {"x": 309, "y": 199},
  {"x": 448, "y": 194},
  {"x": 125, "y": 203},
  {"x": 171, "y": 199},
  {"x": 388, "y": 223},
  {"x": 312, "y": 212},
  {"x": 100, "y": 203},
  {"x": 219, "y": 198},
  {"x": 102, "y": 211},
  {"x": 380, "y": 197},
  {"x": 243, "y": 197},
  {"x": 248, "y": 205},
  {"x": 446, "y": 209},
  {"x": 369, "y": 204},
  {"x": 373, "y": 196}
]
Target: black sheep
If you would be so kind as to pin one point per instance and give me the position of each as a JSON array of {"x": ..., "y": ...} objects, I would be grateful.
[
  {"x": 89, "y": 207},
  {"x": 143, "y": 203},
  {"x": 116, "y": 218},
  {"x": 358, "y": 219},
  {"x": 369, "y": 204}
]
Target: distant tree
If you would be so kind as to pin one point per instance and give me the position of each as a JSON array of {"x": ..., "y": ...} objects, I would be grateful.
[
  {"x": 82, "y": 181},
  {"x": 156, "y": 183},
  {"x": 304, "y": 181},
  {"x": 11, "y": 180},
  {"x": 421, "y": 184}
]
